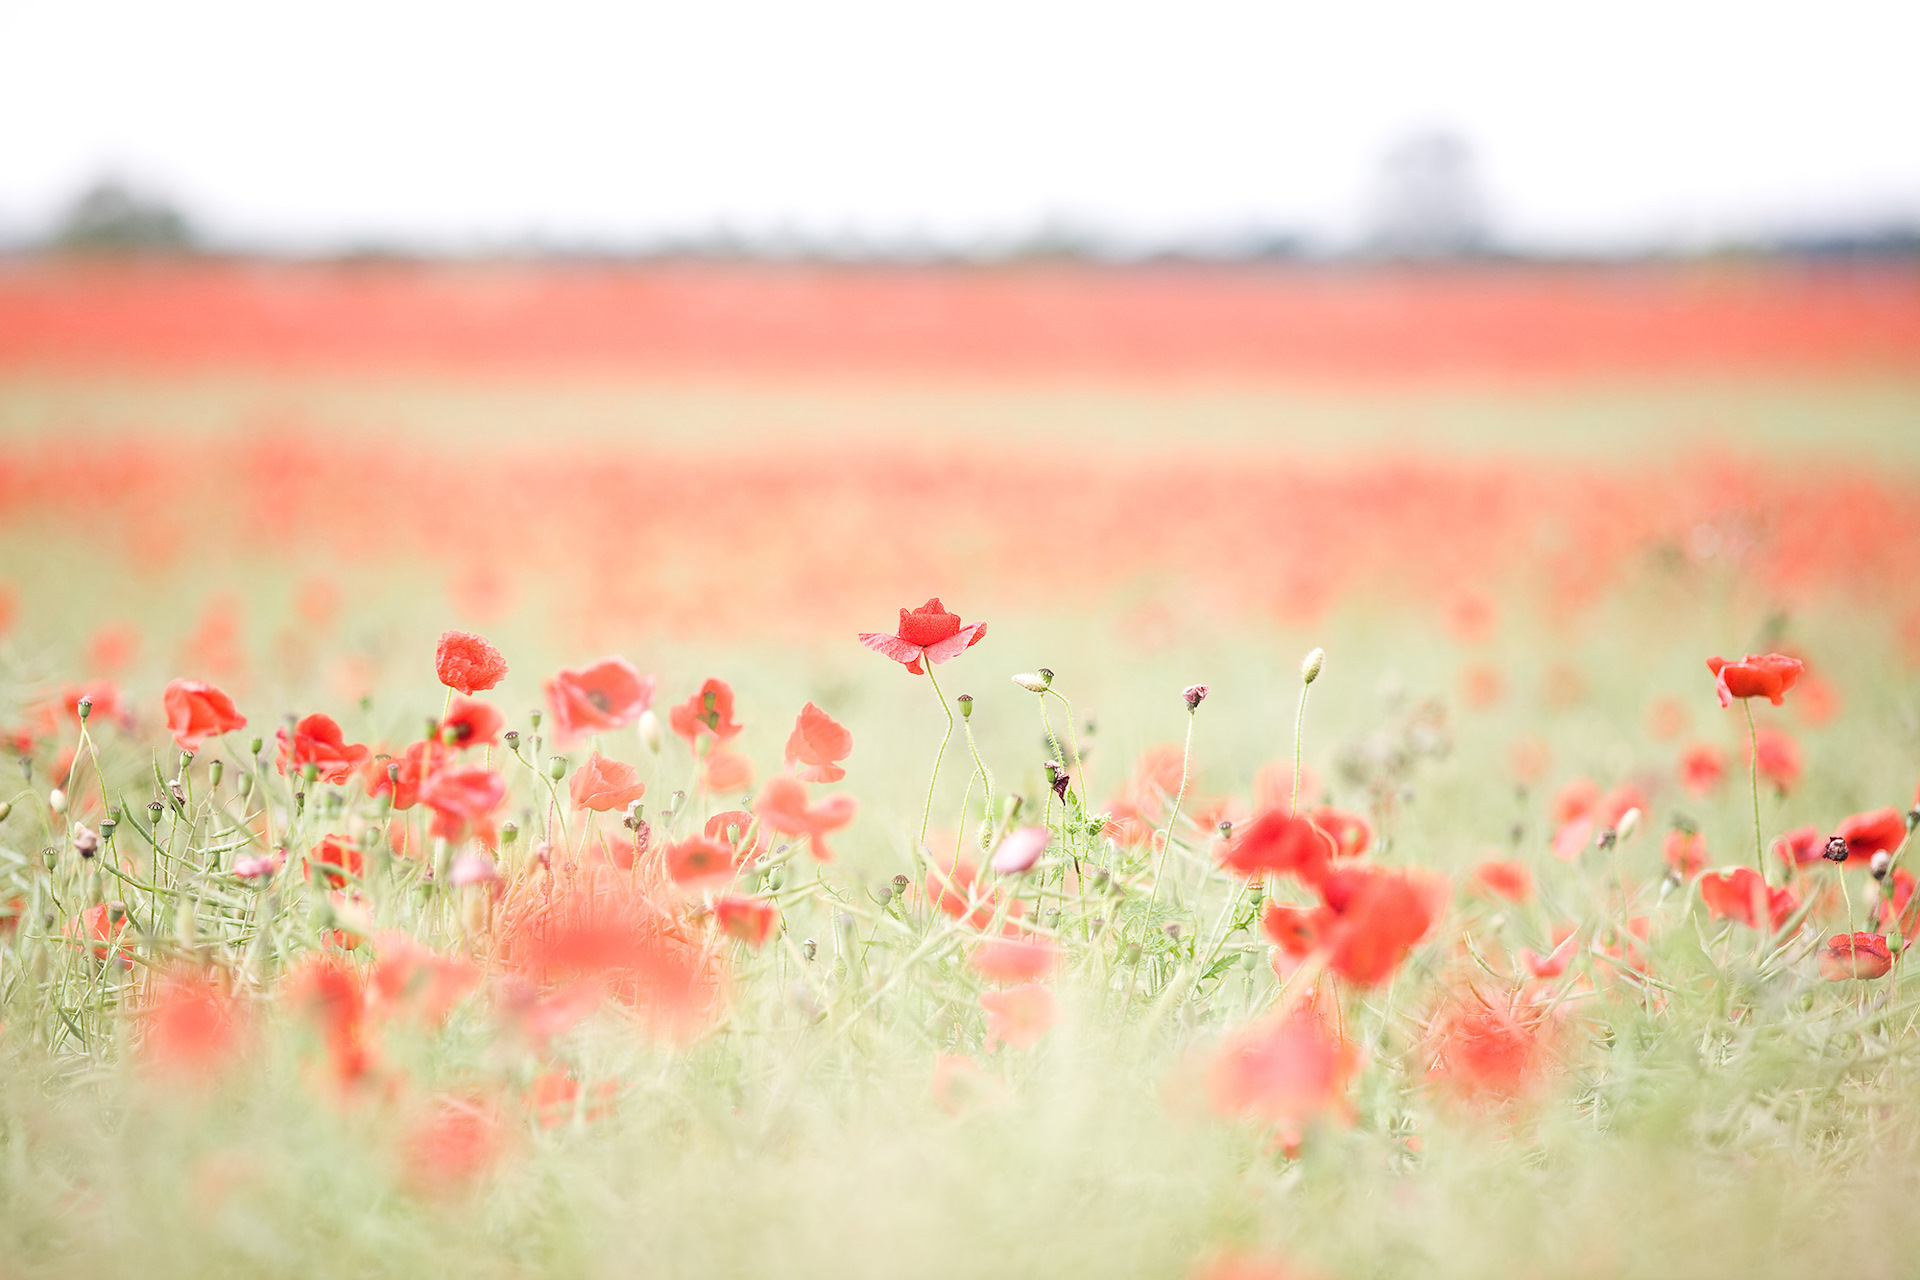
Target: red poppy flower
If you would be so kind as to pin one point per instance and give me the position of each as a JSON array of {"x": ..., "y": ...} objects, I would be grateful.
[
  {"x": 1018, "y": 1016},
  {"x": 1378, "y": 916},
  {"x": 197, "y": 711},
  {"x": 1286, "y": 1071},
  {"x": 420, "y": 762},
  {"x": 1702, "y": 768},
  {"x": 335, "y": 858},
  {"x": 1686, "y": 853},
  {"x": 1738, "y": 893},
  {"x": 709, "y": 711},
  {"x": 727, "y": 771},
  {"x": 604, "y": 785},
  {"x": 929, "y": 632},
  {"x": 1779, "y": 756},
  {"x": 1755, "y": 676},
  {"x": 1350, "y": 832},
  {"x": 1577, "y": 799},
  {"x": 1015, "y": 959},
  {"x": 1617, "y": 803},
  {"x": 1509, "y": 880},
  {"x": 1881, "y": 830},
  {"x": 751, "y": 920},
  {"x": 1018, "y": 850},
  {"x": 463, "y": 797},
  {"x": 699, "y": 860},
  {"x": 104, "y": 927},
  {"x": 471, "y": 723},
  {"x": 103, "y": 700},
  {"x": 1857, "y": 955},
  {"x": 595, "y": 699},
  {"x": 783, "y": 806},
  {"x": 326, "y": 989},
  {"x": 467, "y": 664},
  {"x": 191, "y": 1027},
  {"x": 1483, "y": 1052},
  {"x": 1800, "y": 847},
  {"x": 417, "y": 980},
  {"x": 318, "y": 741},
  {"x": 1555, "y": 962},
  {"x": 952, "y": 892},
  {"x": 731, "y": 827},
  {"x": 1274, "y": 843},
  {"x": 817, "y": 746}
]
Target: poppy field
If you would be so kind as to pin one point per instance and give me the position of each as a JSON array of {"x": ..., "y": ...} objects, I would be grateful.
[{"x": 704, "y": 771}]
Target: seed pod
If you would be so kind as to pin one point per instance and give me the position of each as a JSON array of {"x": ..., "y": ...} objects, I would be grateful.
[
  {"x": 254, "y": 747},
  {"x": 966, "y": 706},
  {"x": 1836, "y": 850},
  {"x": 509, "y": 832},
  {"x": 1031, "y": 682},
  {"x": 216, "y": 771},
  {"x": 557, "y": 769},
  {"x": 512, "y": 738},
  {"x": 85, "y": 709}
]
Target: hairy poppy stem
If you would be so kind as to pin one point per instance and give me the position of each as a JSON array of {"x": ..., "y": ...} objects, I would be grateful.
[
  {"x": 1753, "y": 774},
  {"x": 1299, "y": 730},
  {"x": 1166, "y": 839},
  {"x": 926, "y": 813}
]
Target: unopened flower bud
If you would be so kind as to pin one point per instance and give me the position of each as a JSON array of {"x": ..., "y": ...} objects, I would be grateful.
[
  {"x": 57, "y": 800},
  {"x": 86, "y": 841},
  {"x": 85, "y": 709},
  {"x": 216, "y": 771},
  {"x": 533, "y": 718},
  {"x": 1836, "y": 850},
  {"x": 1629, "y": 823},
  {"x": 966, "y": 706},
  {"x": 649, "y": 728},
  {"x": 509, "y": 832},
  {"x": 253, "y": 748},
  {"x": 1311, "y": 664},
  {"x": 393, "y": 772},
  {"x": 557, "y": 768},
  {"x": 1882, "y": 862},
  {"x": 1913, "y": 818},
  {"x": 310, "y": 771},
  {"x": 1195, "y": 694},
  {"x": 1031, "y": 681},
  {"x": 6, "y": 807}
]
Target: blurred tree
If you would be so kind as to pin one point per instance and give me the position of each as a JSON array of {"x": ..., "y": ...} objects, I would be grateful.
[
  {"x": 111, "y": 216},
  {"x": 1427, "y": 200}
]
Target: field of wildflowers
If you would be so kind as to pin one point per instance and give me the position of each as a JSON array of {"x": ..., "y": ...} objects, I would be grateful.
[{"x": 1148, "y": 793}]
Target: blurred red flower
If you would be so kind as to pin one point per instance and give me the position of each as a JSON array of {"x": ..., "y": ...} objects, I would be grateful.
[
  {"x": 1738, "y": 893},
  {"x": 468, "y": 664},
  {"x": 318, "y": 741},
  {"x": 929, "y": 633},
  {"x": 1370, "y": 919},
  {"x": 420, "y": 762},
  {"x": 1286, "y": 1071},
  {"x": 817, "y": 746},
  {"x": 1755, "y": 676},
  {"x": 335, "y": 858},
  {"x": 463, "y": 797},
  {"x": 783, "y": 806},
  {"x": 471, "y": 723},
  {"x": 1703, "y": 767},
  {"x": 604, "y": 785},
  {"x": 1276, "y": 843},
  {"x": 1509, "y": 880},
  {"x": 752, "y": 920},
  {"x": 1686, "y": 853},
  {"x": 1880, "y": 830},
  {"x": 1350, "y": 833},
  {"x": 1858, "y": 955},
  {"x": 197, "y": 711},
  {"x": 700, "y": 860},
  {"x": 594, "y": 699},
  {"x": 417, "y": 980},
  {"x": 709, "y": 711},
  {"x": 1015, "y": 959},
  {"x": 1779, "y": 756},
  {"x": 1018, "y": 1016},
  {"x": 1800, "y": 847}
]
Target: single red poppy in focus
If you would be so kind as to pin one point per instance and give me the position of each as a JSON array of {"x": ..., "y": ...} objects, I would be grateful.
[
  {"x": 751, "y": 920},
  {"x": 471, "y": 723},
  {"x": 1350, "y": 833},
  {"x": 1276, "y": 843},
  {"x": 1018, "y": 1016},
  {"x": 817, "y": 746},
  {"x": 929, "y": 633},
  {"x": 783, "y": 806},
  {"x": 1755, "y": 676},
  {"x": 1015, "y": 959},
  {"x": 709, "y": 711},
  {"x": 335, "y": 858},
  {"x": 1878, "y": 831},
  {"x": 594, "y": 699},
  {"x": 699, "y": 860},
  {"x": 197, "y": 711},
  {"x": 1738, "y": 893},
  {"x": 468, "y": 664},
  {"x": 1858, "y": 955},
  {"x": 1703, "y": 767},
  {"x": 1510, "y": 880},
  {"x": 1686, "y": 853},
  {"x": 605, "y": 785},
  {"x": 461, "y": 798},
  {"x": 319, "y": 741},
  {"x": 422, "y": 760},
  {"x": 1779, "y": 756}
]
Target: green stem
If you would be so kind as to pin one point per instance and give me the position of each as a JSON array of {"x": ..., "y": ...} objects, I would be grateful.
[
  {"x": 1753, "y": 773},
  {"x": 1299, "y": 729},
  {"x": 1166, "y": 841},
  {"x": 926, "y": 813}
]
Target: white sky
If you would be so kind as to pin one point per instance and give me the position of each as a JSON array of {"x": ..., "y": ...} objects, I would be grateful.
[{"x": 1595, "y": 125}]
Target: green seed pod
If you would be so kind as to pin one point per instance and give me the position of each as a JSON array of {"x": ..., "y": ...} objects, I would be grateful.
[
  {"x": 216, "y": 771},
  {"x": 85, "y": 709},
  {"x": 557, "y": 769}
]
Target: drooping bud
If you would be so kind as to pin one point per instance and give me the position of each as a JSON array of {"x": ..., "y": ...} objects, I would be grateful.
[
  {"x": 1913, "y": 818},
  {"x": 649, "y": 729},
  {"x": 1195, "y": 694},
  {"x": 1882, "y": 863},
  {"x": 1836, "y": 850},
  {"x": 1311, "y": 664},
  {"x": 966, "y": 706},
  {"x": 57, "y": 800},
  {"x": 1031, "y": 681}
]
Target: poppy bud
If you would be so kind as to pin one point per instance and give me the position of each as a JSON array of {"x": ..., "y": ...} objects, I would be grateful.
[
  {"x": 557, "y": 769},
  {"x": 1172, "y": 930},
  {"x": 186, "y": 761},
  {"x": 966, "y": 706},
  {"x": 649, "y": 728},
  {"x": 1836, "y": 850},
  {"x": 393, "y": 773},
  {"x": 310, "y": 771},
  {"x": 840, "y": 969},
  {"x": 57, "y": 800},
  {"x": 674, "y": 801},
  {"x": 299, "y": 802},
  {"x": 85, "y": 709},
  {"x": 533, "y": 718},
  {"x": 509, "y": 832},
  {"x": 1913, "y": 818},
  {"x": 1607, "y": 838},
  {"x": 253, "y": 748},
  {"x": 216, "y": 771},
  {"x": 1031, "y": 682},
  {"x": 883, "y": 895},
  {"x": 86, "y": 841},
  {"x": 1311, "y": 664},
  {"x": 809, "y": 948},
  {"x": 6, "y": 807},
  {"x": 50, "y": 856},
  {"x": 1195, "y": 694},
  {"x": 1882, "y": 863}
]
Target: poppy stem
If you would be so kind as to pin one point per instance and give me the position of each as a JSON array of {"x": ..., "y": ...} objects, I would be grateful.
[
  {"x": 1299, "y": 731},
  {"x": 926, "y": 813},
  {"x": 1166, "y": 839},
  {"x": 1753, "y": 774}
]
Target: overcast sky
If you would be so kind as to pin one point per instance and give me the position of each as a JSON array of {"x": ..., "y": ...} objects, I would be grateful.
[{"x": 1593, "y": 125}]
